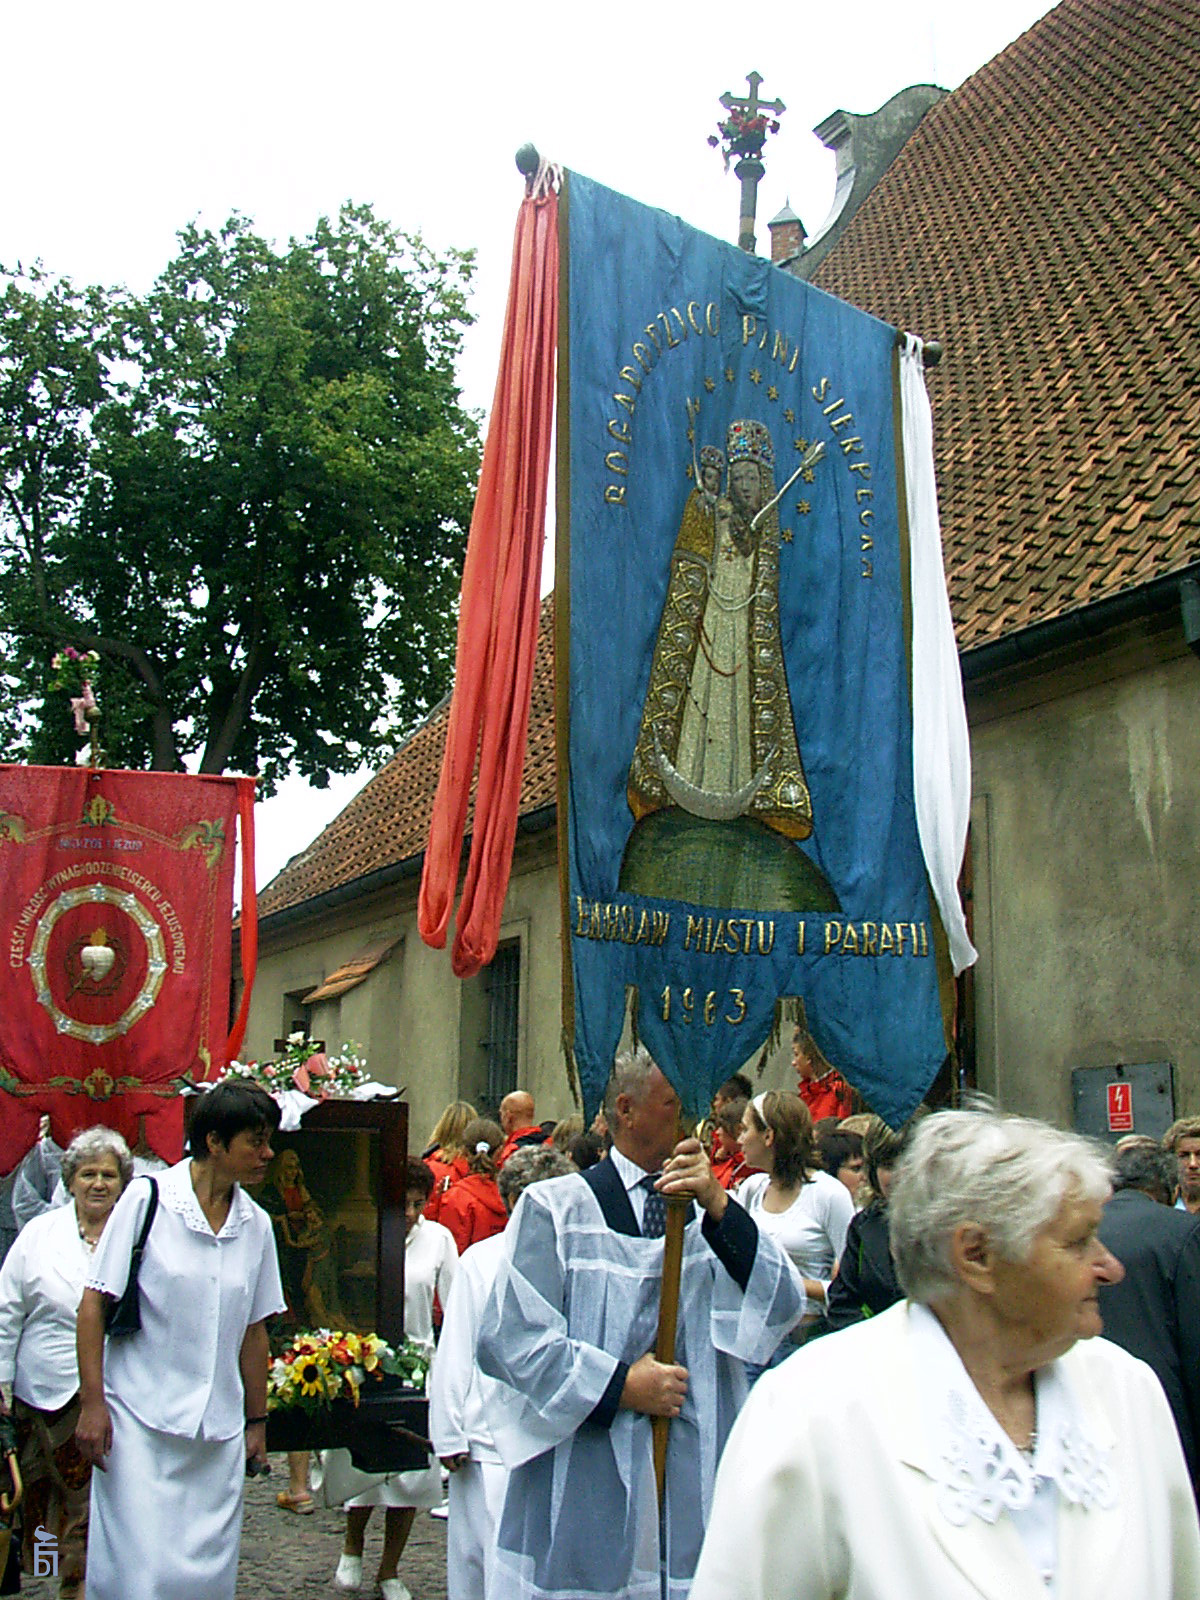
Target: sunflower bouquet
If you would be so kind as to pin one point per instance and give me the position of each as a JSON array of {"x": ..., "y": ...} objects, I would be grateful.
[{"x": 315, "y": 1369}]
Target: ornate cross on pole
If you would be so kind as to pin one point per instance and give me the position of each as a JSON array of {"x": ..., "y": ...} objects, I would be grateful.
[{"x": 746, "y": 132}]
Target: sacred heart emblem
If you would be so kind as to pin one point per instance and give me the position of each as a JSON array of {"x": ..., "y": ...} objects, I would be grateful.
[
  {"x": 96, "y": 964},
  {"x": 97, "y": 959}
]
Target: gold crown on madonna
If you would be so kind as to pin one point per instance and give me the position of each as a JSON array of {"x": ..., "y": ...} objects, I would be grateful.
[{"x": 748, "y": 440}]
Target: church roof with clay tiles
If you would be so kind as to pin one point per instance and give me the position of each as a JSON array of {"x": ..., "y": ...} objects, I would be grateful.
[
  {"x": 388, "y": 821},
  {"x": 1043, "y": 223}
]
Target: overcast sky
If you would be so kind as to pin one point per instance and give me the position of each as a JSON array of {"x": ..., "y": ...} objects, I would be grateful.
[{"x": 129, "y": 120}]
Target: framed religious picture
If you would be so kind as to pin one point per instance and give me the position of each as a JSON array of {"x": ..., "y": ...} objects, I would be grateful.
[{"x": 335, "y": 1194}]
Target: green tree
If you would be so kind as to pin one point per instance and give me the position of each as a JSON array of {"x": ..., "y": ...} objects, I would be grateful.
[{"x": 247, "y": 490}]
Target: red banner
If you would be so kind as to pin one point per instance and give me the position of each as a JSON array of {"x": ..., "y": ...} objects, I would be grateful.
[{"x": 116, "y": 895}]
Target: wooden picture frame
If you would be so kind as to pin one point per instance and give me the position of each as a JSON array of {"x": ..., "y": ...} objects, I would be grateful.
[{"x": 335, "y": 1193}]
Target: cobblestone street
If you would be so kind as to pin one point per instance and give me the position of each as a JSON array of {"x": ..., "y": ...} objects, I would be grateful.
[{"x": 285, "y": 1557}]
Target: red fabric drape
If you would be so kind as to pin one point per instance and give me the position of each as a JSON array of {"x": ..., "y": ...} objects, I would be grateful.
[{"x": 498, "y": 613}]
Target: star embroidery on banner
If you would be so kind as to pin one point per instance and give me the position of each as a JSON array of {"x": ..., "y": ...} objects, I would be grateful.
[
  {"x": 808, "y": 474},
  {"x": 709, "y": 385},
  {"x": 803, "y": 507},
  {"x": 688, "y": 470},
  {"x": 789, "y": 415},
  {"x": 728, "y": 374},
  {"x": 691, "y": 433},
  {"x": 800, "y": 444},
  {"x": 786, "y": 535},
  {"x": 772, "y": 393},
  {"x": 755, "y": 375}
]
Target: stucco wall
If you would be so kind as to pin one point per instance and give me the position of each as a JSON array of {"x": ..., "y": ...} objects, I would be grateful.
[{"x": 1086, "y": 824}]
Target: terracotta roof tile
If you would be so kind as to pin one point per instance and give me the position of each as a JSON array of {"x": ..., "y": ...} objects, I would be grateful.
[
  {"x": 1044, "y": 223},
  {"x": 388, "y": 820}
]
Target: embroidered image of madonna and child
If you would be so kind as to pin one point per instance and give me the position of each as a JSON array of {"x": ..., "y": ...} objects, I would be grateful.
[{"x": 716, "y": 785}]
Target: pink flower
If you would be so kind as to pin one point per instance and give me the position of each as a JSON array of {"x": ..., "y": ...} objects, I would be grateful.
[{"x": 317, "y": 1066}]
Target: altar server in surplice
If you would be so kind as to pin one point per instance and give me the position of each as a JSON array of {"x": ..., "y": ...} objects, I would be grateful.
[
  {"x": 569, "y": 1334},
  {"x": 457, "y": 1396}
]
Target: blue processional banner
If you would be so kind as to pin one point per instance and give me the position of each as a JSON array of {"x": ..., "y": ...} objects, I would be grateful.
[{"x": 735, "y": 712}]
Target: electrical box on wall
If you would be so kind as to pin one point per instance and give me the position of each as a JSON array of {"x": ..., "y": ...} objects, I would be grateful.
[{"x": 1111, "y": 1101}]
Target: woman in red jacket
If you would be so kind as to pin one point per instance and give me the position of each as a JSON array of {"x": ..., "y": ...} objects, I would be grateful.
[
  {"x": 472, "y": 1208},
  {"x": 446, "y": 1156}
]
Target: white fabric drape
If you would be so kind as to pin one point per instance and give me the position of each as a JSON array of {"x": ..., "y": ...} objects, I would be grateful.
[{"x": 941, "y": 746}]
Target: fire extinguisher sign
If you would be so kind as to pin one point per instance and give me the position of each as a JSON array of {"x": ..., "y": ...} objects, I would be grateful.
[{"x": 1120, "y": 1108}]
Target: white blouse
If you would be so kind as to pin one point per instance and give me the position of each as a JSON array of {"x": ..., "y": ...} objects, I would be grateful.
[
  {"x": 459, "y": 1391},
  {"x": 41, "y": 1283},
  {"x": 199, "y": 1292},
  {"x": 813, "y": 1228},
  {"x": 978, "y": 1469},
  {"x": 430, "y": 1262}
]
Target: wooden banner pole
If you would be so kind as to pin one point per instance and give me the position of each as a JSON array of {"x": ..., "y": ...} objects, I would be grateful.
[{"x": 678, "y": 1208}]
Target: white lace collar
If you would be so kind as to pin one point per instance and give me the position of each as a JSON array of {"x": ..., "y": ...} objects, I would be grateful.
[
  {"x": 977, "y": 1468},
  {"x": 175, "y": 1192}
]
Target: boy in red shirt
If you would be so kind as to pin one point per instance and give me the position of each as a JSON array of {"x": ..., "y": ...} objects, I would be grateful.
[{"x": 822, "y": 1088}]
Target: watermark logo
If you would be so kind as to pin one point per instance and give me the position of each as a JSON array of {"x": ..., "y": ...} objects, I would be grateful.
[{"x": 45, "y": 1554}]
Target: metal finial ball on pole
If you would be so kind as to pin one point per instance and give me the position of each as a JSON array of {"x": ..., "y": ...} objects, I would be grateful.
[{"x": 528, "y": 160}]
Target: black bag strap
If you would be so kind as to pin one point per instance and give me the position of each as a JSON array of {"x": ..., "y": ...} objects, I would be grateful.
[{"x": 135, "y": 1255}]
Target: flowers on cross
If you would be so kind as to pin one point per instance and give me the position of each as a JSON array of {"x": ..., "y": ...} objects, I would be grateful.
[
  {"x": 740, "y": 134},
  {"x": 74, "y": 669},
  {"x": 304, "y": 1066},
  {"x": 315, "y": 1369}
]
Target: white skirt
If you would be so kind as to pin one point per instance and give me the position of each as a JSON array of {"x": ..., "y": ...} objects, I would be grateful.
[
  {"x": 166, "y": 1516},
  {"x": 422, "y": 1489}
]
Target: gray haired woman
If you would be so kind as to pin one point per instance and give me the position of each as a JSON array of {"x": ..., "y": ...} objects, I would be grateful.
[
  {"x": 976, "y": 1438},
  {"x": 41, "y": 1284}
]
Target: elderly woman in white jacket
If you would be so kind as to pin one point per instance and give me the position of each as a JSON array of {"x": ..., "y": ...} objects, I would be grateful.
[
  {"x": 41, "y": 1284},
  {"x": 977, "y": 1439}
]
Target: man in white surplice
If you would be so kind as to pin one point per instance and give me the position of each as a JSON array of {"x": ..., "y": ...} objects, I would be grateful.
[{"x": 569, "y": 1336}]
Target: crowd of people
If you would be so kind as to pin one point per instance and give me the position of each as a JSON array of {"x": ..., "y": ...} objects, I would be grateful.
[{"x": 885, "y": 1378}]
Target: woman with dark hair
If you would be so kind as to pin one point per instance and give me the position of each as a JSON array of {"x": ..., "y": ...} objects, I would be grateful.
[
  {"x": 866, "y": 1283},
  {"x": 430, "y": 1260},
  {"x": 472, "y": 1208},
  {"x": 584, "y": 1150},
  {"x": 841, "y": 1155},
  {"x": 173, "y": 1413},
  {"x": 40, "y": 1287},
  {"x": 805, "y": 1209}
]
